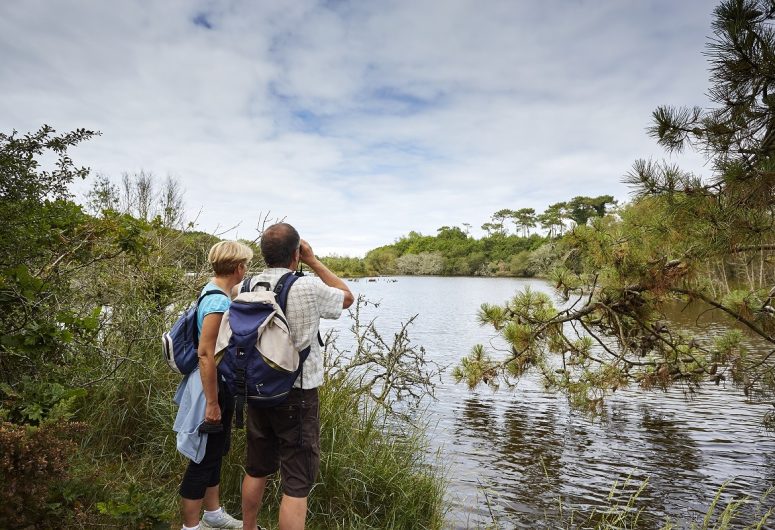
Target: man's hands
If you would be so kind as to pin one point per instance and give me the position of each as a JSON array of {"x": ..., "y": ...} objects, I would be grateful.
[
  {"x": 308, "y": 258},
  {"x": 306, "y": 255}
]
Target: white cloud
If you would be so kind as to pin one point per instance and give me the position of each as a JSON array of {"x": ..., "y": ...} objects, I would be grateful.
[{"x": 357, "y": 121}]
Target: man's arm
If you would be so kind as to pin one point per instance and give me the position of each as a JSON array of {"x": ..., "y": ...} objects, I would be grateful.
[{"x": 329, "y": 278}]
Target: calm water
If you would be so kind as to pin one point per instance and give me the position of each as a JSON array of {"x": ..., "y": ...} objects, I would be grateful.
[{"x": 521, "y": 454}]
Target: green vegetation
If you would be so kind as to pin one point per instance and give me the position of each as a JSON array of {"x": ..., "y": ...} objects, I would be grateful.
[
  {"x": 453, "y": 252},
  {"x": 625, "y": 509},
  {"x": 707, "y": 242},
  {"x": 86, "y": 406},
  {"x": 85, "y": 398}
]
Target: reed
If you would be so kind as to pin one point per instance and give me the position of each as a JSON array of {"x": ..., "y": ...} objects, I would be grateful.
[
  {"x": 624, "y": 510},
  {"x": 374, "y": 466}
]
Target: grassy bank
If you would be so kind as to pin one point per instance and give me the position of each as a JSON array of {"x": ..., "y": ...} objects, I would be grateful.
[
  {"x": 125, "y": 471},
  {"x": 372, "y": 474}
]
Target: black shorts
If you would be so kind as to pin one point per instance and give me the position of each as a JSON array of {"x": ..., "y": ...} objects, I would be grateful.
[{"x": 286, "y": 437}]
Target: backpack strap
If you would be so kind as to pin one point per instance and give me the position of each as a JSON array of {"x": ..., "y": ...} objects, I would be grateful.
[
  {"x": 207, "y": 293},
  {"x": 240, "y": 398},
  {"x": 246, "y": 285},
  {"x": 282, "y": 288},
  {"x": 194, "y": 333},
  {"x": 281, "y": 291}
]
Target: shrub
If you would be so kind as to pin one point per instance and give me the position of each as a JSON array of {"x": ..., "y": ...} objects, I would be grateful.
[{"x": 34, "y": 465}]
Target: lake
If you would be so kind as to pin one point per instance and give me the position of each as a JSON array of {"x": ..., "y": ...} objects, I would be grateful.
[{"x": 517, "y": 456}]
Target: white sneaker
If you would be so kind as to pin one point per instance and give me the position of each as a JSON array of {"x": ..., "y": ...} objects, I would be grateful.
[{"x": 219, "y": 519}]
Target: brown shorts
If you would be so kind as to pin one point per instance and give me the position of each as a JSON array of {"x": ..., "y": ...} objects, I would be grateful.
[{"x": 286, "y": 437}]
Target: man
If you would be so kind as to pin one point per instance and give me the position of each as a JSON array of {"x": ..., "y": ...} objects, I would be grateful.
[{"x": 273, "y": 438}]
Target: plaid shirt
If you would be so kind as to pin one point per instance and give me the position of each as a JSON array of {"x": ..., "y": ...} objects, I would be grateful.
[{"x": 308, "y": 301}]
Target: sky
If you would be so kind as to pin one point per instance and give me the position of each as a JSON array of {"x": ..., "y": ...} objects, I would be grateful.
[{"x": 357, "y": 121}]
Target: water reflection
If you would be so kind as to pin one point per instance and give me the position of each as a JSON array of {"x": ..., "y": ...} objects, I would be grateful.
[
  {"x": 669, "y": 444},
  {"x": 519, "y": 456},
  {"x": 477, "y": 418},
  {"x": 697, "y": 317},
  {"x": 532, "y": 451}
]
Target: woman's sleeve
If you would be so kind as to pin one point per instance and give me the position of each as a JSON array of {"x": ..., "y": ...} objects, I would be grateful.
[{"x": 216, "y": 303}]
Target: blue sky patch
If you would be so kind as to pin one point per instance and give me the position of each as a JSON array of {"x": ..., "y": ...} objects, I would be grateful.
[
  {"x": 400, "y": 101},
  {"x": 202, "y": 21}
]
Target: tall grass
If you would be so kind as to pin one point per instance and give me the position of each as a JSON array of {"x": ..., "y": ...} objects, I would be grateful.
[
  {"x": 624, "y": 508},
  {"x": 373, "y": 467},
  {"x": 374, "y": 470},
  {"x": 373, "y": 474}
]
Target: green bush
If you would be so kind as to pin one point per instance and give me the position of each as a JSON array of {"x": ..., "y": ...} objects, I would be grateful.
[{"x": 84, "y": 302}]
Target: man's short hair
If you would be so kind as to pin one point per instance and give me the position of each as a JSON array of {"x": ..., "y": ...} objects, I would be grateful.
[
  {"x": 226, "y": 256},
  {"x": 278, "y": 244}
]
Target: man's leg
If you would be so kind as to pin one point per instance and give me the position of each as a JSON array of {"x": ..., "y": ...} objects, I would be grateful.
[
  {"x": 293, "y": 513},
  {"x": 299, "y": 456},
  {"x": 252, "y": 496}
]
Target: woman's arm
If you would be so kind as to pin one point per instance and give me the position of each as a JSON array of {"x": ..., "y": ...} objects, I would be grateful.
[{"x": 207, "y": 369}]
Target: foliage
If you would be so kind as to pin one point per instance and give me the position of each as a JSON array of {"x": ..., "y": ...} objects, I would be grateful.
[
  {"x": 135, "y": 508},
  {"x": 581, "y": 209},
  {"x": 45, "y": 325},
  {"x": 704, "y": 242},
  {"x": 34, "y": 466},
  {"x": 453, "y": 252},
  {"x": 21, "y": 180},
  {"x": 139, "y": 195},
  {"x": 346, "y": 266},
  {"x": 34, "y": 402},
  {"x": 424, "y": 263},
  {"x": 389, "y": 372},
  {"x": 84, "y": 300},
  {"x": 369, "y": 478}
]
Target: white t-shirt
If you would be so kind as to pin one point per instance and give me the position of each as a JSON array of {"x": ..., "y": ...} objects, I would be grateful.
[{"x": 309, "y": 300}]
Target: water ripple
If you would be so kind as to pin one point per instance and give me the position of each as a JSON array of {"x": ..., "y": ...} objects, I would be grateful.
[{"x": 518, "y": 456}]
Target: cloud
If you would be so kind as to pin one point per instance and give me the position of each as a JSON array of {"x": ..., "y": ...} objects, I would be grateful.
[{"x": 357, "y": 121}]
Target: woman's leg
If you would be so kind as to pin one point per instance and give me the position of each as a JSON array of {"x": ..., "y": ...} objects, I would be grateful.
[
  {"x": 190, "y": 509},
  {"x": 212, "y": 500},
  {"x": 201, "y": 482}
]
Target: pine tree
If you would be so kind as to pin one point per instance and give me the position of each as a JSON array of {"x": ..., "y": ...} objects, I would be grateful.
[{"x": 702, "y": 240}]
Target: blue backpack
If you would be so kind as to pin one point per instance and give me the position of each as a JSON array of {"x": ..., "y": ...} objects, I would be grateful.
[
  {"x": 179, "y": 345},
  {"x": 259, "y": 363}
]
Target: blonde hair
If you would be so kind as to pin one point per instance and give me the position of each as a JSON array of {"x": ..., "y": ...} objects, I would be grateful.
[{"x": 226, "y": 256}]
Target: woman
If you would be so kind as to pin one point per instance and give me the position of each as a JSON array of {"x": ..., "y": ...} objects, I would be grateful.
[{"x": 200, "y": 485}]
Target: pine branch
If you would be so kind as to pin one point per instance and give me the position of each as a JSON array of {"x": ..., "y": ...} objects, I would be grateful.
[
  {"x": 752, "y": 248},
  {"x": 734, "y": 314}
]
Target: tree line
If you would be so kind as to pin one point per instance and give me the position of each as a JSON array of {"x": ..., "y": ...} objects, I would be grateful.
[
  {"x": 453, "y": 251},
  {"x": 554, "y": 220}
]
